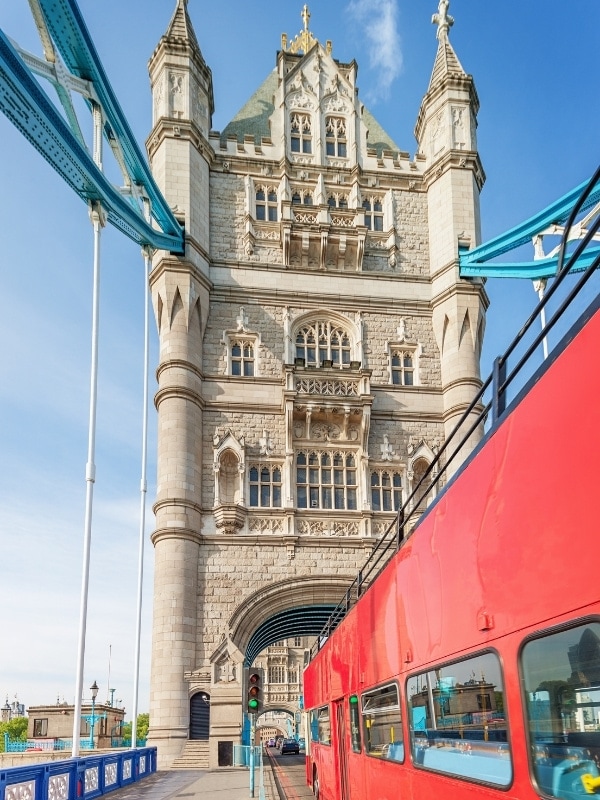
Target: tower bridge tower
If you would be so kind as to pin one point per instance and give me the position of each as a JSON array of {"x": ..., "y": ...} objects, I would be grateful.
[{"x": 316, "y": 343}]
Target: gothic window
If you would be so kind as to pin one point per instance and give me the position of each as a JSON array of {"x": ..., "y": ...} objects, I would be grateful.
[
  {"x": 302, "y": 197},
  {"x": 242, "y": 357},
  {"x": 266, "y": 204},
  {"x": 386, "y": 490},
  {"x": 337, "y": 201},
  {"x": 335, "y": 137},
  {"x": 277, "y": 674},
  {"x": 326, "y": 480},
  {"x": 293, "y": 675},
  {"x": 323, "y": 341},
  {"x": 373, "y": 213},
  {"x": 265, "y": 486},
  {"x": 300, "y": 133},
  {"x": 402, "y": 364},
  {"x": 297, "y": 641}
]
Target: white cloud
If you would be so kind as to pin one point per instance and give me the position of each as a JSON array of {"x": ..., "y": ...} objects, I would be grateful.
[{"x": 378, "y": 19}]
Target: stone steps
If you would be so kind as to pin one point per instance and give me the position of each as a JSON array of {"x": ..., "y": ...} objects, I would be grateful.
[{"x": 194, "y": 756}]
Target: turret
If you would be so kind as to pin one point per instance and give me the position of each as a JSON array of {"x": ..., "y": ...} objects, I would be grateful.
[{"x": 453, "y": 177}]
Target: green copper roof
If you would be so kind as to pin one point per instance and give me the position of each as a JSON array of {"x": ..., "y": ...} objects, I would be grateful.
[{"x": 253, "y": 120}]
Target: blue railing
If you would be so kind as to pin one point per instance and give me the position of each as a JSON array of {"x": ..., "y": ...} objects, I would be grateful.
[
  {"x": 58, "y": 744},
  {"x": 86, "y": 777}
]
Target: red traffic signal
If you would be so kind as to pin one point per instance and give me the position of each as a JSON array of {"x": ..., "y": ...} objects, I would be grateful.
[{"x": 254, "y": 692}]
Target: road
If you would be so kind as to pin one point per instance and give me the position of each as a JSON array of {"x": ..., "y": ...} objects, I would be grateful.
[{"x": 289, "y": 771}]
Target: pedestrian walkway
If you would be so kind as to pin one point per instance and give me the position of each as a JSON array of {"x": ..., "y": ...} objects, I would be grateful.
[{"x": 226, "y": 783}]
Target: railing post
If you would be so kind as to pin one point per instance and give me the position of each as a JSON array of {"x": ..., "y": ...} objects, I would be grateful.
[
  {"x": 498, "y": 394},
  {"x": 359, "y": 583}
]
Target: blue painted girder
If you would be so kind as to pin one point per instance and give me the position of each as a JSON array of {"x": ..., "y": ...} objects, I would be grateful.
[
  {"x": 36, "y": 117},
  {"x": 476, "y": 262}
]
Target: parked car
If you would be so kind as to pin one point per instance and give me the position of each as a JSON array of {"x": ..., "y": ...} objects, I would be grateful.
[
  {"x": 271, "y": 743},
  {"x": 290, "y": 746}
]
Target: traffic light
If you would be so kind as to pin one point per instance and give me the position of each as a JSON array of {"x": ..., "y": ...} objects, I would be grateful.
[{"x": 254, "y": 691}]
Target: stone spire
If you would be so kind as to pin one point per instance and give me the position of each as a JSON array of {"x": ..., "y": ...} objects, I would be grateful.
[
  {"x": 181, "y": 30},
  {"x": 446, "y": 60}
]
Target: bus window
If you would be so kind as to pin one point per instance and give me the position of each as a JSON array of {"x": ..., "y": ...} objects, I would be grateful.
[
  {"x": 320, "y": 726},
  {"x": 382, "y": 723},
  {"x": 561, "y": 681},
  {"x": 354, "y": 723},
  {"x": 456, "y": 710}
]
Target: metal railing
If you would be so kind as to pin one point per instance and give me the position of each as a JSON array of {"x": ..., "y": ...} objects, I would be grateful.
[
  {"x": 489, "y": 404},
  {"x": 78, "y": 778}
]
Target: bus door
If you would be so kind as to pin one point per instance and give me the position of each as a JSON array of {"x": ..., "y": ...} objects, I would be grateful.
[{"x": 342, "y": 750}]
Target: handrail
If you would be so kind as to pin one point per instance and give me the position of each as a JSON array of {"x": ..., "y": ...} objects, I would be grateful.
[{"x": 476, "y": 414}]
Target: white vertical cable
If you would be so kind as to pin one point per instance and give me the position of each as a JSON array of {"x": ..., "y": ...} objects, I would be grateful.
[
  {"x": 98, "y": 220},
  {"x": 90, "y": 477}
]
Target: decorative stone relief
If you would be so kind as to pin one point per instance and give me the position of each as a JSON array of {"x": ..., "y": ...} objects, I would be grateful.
[
  {"x": 330, "y": 388},
  {"x": 387, "y": 451},
  {"x": 269, "y": 525},
  {"x": 265, "y": 444},
  {"x": 459, "y": 133},
  {"x": 177, "y": 94},
  {"x": 327, "y": 528}
]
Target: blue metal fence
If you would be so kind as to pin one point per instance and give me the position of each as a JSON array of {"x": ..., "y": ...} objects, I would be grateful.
[{"x": 86, "y": 778}]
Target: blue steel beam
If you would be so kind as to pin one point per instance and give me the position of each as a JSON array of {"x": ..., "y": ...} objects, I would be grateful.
[
  {"x": 31, "y": 111},
  {"x": 71, "y": 36},
  {"x": 475, "y": 263}
]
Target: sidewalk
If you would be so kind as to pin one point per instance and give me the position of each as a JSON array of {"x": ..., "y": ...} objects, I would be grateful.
[{"x": 226, "y": 783}]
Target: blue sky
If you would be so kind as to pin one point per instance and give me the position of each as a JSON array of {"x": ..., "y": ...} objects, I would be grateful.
[{"x": 533, "y": 66}]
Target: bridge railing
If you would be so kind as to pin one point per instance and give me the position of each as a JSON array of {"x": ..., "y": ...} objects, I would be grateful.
[
  {"x": 75, "y": 778},
  {"x": 563, "y": 304}
]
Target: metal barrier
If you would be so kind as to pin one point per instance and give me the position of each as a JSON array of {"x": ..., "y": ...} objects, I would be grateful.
[
  {"x": 88, "y": 777},
  {"x": 252, "y": 757}
]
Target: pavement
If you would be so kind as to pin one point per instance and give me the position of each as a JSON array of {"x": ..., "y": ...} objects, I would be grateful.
[{"x": 226, "y": 783}]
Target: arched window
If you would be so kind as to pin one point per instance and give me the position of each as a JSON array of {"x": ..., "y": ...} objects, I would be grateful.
[
  {"x": 302, "y": 197},
  {"x": 242, "y": 357},
  {"x": 326, "y": 480},
  {"x": 373, "y": 213},
  {"x": 337, "y": 201},
  {"x": 386, "y": 490},
  {"x": 300, "y": 133},
  {"x": 266, "y": 204},
  {"x": 323, "y": 341},
  {"x": 335, "y": 137}
]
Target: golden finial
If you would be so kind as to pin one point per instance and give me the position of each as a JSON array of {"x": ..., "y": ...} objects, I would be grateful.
[
  {"x": 304, "y": 40},
  {"x": 305, "y": 16}
]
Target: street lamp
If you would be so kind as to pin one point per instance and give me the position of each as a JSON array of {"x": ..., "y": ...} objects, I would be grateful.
[{"x": 94, "y": 690}]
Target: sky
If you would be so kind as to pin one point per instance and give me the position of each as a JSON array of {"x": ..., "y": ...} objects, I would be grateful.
[{"x": 533, "y": 63}]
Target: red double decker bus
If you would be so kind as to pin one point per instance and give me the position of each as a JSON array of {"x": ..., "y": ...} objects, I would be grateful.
[{"x": 469, "y": 665}]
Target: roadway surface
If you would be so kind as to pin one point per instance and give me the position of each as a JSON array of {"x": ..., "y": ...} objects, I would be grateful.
[{"x": 290, "y": 774}]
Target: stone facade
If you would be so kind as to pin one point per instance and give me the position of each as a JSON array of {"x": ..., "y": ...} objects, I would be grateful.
[{"x": 316, "y": 341}]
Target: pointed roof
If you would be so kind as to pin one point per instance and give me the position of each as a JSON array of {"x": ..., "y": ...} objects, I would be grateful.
[
  {"x": 180, "y": 28},
  {"x": 446, "y": 63}
]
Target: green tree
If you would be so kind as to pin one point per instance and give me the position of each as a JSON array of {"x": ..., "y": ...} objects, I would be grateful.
[
  {"x": 16, "y": 729},
  {"x": 143, "y": 723}
]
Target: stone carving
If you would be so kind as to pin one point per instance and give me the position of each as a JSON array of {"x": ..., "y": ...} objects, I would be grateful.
[
  {"x": 325, "y": 432},
  {"x": 387, "y": 451},
  {"x": 265, "y": 444},
  {"x": 328, "y": 528},
  {"x": 459, "y": 133},
  {"x": 268, "y": 525},
  {"x": 242, "y": 320},
  {"x": 176, "y": 81},
  {"x": 443, "y": 20},
  {"x": 330, "y": 388}
]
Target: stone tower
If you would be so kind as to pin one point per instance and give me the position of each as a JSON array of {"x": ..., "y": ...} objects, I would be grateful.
[{"x": 316, "y": 342}]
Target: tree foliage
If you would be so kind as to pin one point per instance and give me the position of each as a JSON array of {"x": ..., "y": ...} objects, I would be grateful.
[{"x": 16, "y": 729}]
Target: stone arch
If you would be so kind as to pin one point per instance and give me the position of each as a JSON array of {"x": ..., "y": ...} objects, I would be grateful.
[
  {"x": 327, "y": 324},
  {"x": 256, "y": 610},
  {"x": 199, "y": 716}
]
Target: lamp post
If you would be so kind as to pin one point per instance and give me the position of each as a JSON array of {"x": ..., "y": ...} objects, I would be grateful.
[
  {"x": 94, "y": 690},
  {"x": 93, "y": 717}
]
